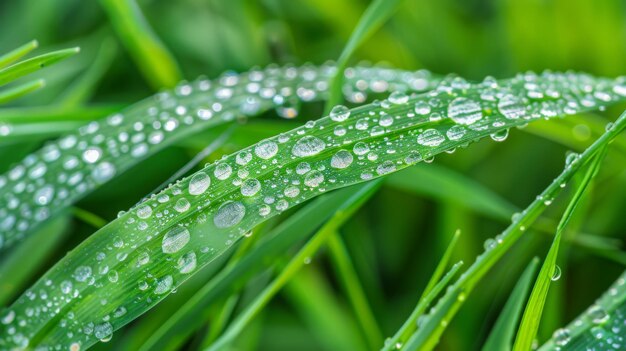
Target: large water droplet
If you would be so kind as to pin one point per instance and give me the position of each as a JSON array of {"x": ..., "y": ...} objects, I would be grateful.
[
  {"x": 464, "y": 111},
  {"x": 342, "y": 159},
  {"x": 561, "y": 336},
  {"x": 199, "y": 183},
  {"x": 103, "y": 330},
  {"x": 164, "y": 285},
  {"x": 250, "y": 187},
  {"x": 308, "y": 146},
  {"x": 175, "y": 239},
  {"x": 229, "y": 214},
  {"x": 187, "y": 262},
  {"x": 511, "y": 107},
  {"x": 430, "y": 137},
  {"x": 339, "y": 113},
  {"x": 266, "y": 149}
]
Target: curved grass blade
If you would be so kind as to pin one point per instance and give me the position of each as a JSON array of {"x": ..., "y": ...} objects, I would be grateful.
[
  {"x": 534, "y": 308},
  {"x": 600, "y": 327},
  {"x": 23, "y": 68},
  {"x": 449, "y": 304},
  {"x": 501, "y": 336},
  {"x": 10, "y": 94},
  {"x": 18, "y": 53},
  {"x": 138, "y": 259},
  {"x": 81, "y": 162},
  {"x": 433, "y": 288},
  {"x": 153, "y": 59}
]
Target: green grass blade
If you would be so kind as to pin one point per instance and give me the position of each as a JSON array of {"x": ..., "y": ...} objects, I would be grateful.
[
  {"x": 600, "y": 327},
  {"x": 13, "y": 93},
  {"x": 297, "y": 227},
  {"x": 443, "y": 183},
  {"x": 17, "y": 53},
  {"x": 15, "y": 271},
  {"x": 501, "y": 335},
  {"x": 294, "y": 265},
  {"x": 428, "y": 337},
  {"x": 354, "y": 290},
  {"x": 157, "y": 64},
  {"x": 23, "y": 68},
  {"x": 376, "y": 14},
  {"x": 534, "y": 308},
  {"x": 189, "y": 108},
  {"x": 415, "y": 340},
  {"x": 433, "y": 288},
  {"x": 194, "y": 221}
]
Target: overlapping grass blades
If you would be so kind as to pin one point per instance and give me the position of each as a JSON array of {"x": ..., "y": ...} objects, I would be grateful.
[
  {"x": 68, "y": 169},
  {"x": 427, "y": 336},
  {"x": 601, "y": 327},
  {"x": 137, "y": 260}
]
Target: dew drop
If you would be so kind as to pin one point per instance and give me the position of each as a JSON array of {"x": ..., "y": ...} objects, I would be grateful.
[
  {"x": 250, "y": 187},
  {"x": 164, "y": 285},
  {"x": 199, "y": 183},
  {"x": 308, "y": 146},
  {"x": 175, "y": 239},
  {"x": 313, "y": 179},
  {"x": 430, "y": 137},
  {"x": 342, "y": 159},
  {"x": 557, "y": 273},
  {"x": 339, "y": 113},
  {"x": 229, "y": 214},
  {"x": 464, "y": 111},
  {"x": 561, "y": 336},
  {"x": 187, "y": 263},
  {"x": 266, "y": 149},
  {"x": 103, "y": 331}
]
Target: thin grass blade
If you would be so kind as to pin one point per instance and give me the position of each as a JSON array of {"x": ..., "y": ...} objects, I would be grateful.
[
  {"x": 23, "y": 68},
  {"x": 17, "y": 53},
  {"x": 17, "y": 92}
]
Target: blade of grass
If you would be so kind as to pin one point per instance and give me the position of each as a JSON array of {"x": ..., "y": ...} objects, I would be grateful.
[
  {"x": 17, "y": 53},
  {"x": 446, "y": 308},
  {"x": 534, "y": 308},
  {"x": 23, "y": 68},
  {"x": 15, "y": 271},
  {"x": 376, "y": 14},
  {"x": 152, "y": 57},
  {"x": 21, "y": 90},
  {"x": 351, "y": 283},
  {"x": 435, "y": 285},
  {"x": 501, "y": 336},
  {"x": 600, "y": 327}
]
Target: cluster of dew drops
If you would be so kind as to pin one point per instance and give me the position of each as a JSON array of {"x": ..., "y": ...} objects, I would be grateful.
[
  {"x": 347, "y": 147},
  {"x": 67, "y": 169},
  {"x": 607, "y": 331}
]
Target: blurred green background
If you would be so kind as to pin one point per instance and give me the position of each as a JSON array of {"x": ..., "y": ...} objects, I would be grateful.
[{"x": 394, "y": 251}]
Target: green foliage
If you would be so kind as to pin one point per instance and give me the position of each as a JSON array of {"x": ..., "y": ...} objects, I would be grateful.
[{"x": 246, "y": 231}]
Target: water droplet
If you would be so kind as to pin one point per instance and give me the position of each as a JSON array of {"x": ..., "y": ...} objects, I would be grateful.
[
  {"x": 385, "y": 167},
  {"x": 339, "y": 113},
  {"x": 266, "y": 149},
  {"x": 44, "y": 195},
  {"x": 222, "y": 171},
  {"x": 597, "y": 314},
  {"x": 199, "y": 183},
  {"x": 187, "y": 262},
  {"x": 430, "y": 137},
  {"x": 82, "y": 273},
  {"x": 308, "y": 146},
  {"x": 164, "y": 285},
  {"x": 144, "y": 211},
  {"x": 92, "y": 154},
  {"x": 464, "y": 111},
  {"x": 229, "y": 214},
  {"x": 103, "y": 331},
  {"x": 422, "y": 108},
  {"x": 342, "y": 159},
  {"x": 557, "y": 273},
  {"x": 511, "y": 107},
  {"x": 500, "y": 135},
  {"x": 175, "y": 239},
  {"x": 313, "y": 179},
  {"x": 561, "y": 336},
  {"x": 250, "y": 187},
  {"x": 398, "y": 98},
  {"x": 456, "y": 132}
]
